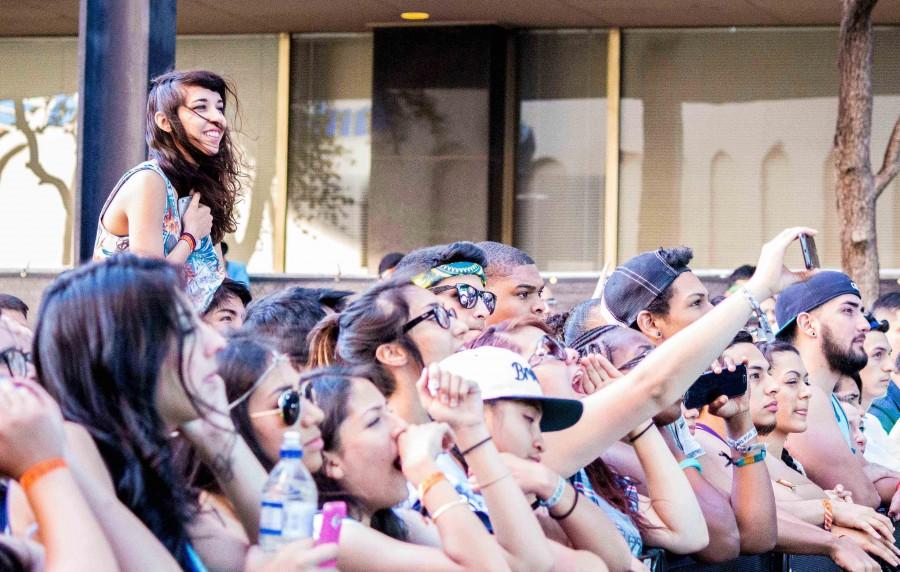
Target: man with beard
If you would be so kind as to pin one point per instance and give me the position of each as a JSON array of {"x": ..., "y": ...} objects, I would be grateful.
[{"x": 822, "y": 317}]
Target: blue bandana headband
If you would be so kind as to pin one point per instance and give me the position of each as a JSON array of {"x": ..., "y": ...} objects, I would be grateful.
[{"x": 431, "y": 277}]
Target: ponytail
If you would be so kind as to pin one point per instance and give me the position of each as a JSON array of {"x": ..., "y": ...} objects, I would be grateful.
[{"x": 323, "y": 340}]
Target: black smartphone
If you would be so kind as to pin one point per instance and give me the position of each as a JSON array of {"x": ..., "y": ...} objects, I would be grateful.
[
  {"x": 810, "y": 254},
  {"x": 710, "y": 386}
]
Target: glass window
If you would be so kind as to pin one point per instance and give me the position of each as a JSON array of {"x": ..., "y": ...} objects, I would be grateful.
[
  {"x": 561, "y": 155},
  {"x": 251, "y": 64},
  {"x": 38, "y": 121},
  {"x": 726, "y": 139},
  {"x": 329, "y": 153}
]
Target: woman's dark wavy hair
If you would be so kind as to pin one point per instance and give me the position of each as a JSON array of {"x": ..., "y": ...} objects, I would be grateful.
[
  {"x": 216, "y": 177},
  {"x": 104, "y": 332},
  {"x": 375, "y": 318},
  {"x": 331, "y": 389}
]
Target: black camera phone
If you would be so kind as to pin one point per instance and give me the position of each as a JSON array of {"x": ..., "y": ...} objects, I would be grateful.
[
  {"x": 710, "y": 386},
  {"x": 810, "y": 254}
]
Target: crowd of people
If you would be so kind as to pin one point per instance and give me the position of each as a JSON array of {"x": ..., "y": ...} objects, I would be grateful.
[{"x": 463, "y": 425}]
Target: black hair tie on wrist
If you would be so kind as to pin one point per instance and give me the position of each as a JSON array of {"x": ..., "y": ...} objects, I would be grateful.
[
  {"x": 641, "y": 434},
  {"x": 570, "y": 511},
  {"x": 475, "y": 446}
]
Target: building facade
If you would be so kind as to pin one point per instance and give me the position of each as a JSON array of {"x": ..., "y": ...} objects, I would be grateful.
[{"x": 581, "y": 139}]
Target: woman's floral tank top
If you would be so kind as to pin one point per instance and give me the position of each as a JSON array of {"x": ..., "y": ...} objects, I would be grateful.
[{"x": 202, "y": 271}]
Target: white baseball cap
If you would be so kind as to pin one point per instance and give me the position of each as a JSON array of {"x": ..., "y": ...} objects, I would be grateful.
[{"x": 503, "y": 374}]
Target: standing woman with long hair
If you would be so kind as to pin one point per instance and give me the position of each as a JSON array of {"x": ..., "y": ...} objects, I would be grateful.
[{"x": 191, "y": 156}]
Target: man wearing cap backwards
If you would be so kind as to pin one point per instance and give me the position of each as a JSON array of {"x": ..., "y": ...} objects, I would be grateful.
[
  {"x": 656, "y": 294},
  {"x": 822, "y": 317}
]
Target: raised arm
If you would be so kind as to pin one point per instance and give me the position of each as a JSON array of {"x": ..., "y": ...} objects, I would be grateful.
[
  {"x": 669, "y": 370},
  {"x": 31, "y": 450},
  {"x": 516, "y": 528}
]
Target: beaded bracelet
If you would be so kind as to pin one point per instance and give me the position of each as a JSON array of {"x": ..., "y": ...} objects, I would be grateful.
[
  {"x": 39, "y": 470},
  {"x": 764, "y": 324}
]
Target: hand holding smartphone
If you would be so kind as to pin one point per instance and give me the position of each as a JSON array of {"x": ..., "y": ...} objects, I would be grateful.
[
  {"x": 329, "y": 526},
  {"x": 710, "y": 386},
  {"x": 810, "y": 254}
]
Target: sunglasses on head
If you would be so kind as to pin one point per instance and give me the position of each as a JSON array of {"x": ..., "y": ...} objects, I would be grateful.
[
  {"x": 468, "y": 296},
  {"x": 16, "y": 361},
  {"x": 548, "y": 348},
  {"x": 437, "y": 312},
  {"x": 288, "y": 405}
]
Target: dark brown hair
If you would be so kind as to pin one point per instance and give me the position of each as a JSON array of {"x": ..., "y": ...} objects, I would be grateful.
[
  {"x": 215, "y": 177},
  {"x": 352, "y": 337},
  {"x": 331, "y": 388}
]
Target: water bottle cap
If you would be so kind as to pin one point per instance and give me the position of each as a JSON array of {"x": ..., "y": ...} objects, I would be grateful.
[{"x": 291, "y": 447}]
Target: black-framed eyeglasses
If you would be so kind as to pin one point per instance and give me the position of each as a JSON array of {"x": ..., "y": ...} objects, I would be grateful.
[
  {"x": 437, "y": 312},
  {"x": 548, "y": 347},
  {"x": 16, "y": 361},
  {"x": 468, "y": 296},
  {"x": 289, "y": 405}
]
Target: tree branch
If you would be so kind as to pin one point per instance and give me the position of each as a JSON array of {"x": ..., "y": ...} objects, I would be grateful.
[
  {"x": 34, "y": 161},
  {"x": 891, "y": 165}
]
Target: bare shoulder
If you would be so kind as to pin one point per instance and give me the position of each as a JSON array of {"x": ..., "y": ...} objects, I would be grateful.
[{"x": 146, "y": 184}]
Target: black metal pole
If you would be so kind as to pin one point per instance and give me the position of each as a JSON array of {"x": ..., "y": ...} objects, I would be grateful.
[{"x": 121, "y": 45}]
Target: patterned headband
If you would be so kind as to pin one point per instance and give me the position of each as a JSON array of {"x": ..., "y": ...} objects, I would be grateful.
[{"x": 431, "y": 277}]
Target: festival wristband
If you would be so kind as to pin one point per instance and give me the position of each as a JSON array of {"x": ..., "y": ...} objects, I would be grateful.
[
  {"x": 39, "y": 470},
  {"x": 557, "y": 495},
  {"x": 828, "y": 519},
  {"x": 429, "y": 481},
  {"x": 740, "y": 444},
  {"x": 691, "y": 464}
]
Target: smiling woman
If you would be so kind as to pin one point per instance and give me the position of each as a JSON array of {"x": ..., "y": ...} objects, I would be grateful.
[{"x": 179, "y": 204}]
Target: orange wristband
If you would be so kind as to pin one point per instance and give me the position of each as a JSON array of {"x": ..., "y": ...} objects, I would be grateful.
[
  {"x": 430, "y": 481},
  {"x": 38, "y": 470},
  {"x": 829, "y": 514}
]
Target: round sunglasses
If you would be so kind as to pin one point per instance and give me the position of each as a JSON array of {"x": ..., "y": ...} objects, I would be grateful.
[
  {"x": 468, "y": 296},
  {"x": 288, "y": 406}
]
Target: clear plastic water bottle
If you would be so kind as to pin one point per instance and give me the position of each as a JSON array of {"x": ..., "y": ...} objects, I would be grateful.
[{"x": 289, "y": 499}]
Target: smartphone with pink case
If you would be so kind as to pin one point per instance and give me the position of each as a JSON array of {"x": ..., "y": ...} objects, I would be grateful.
[{"x": 333, "y": 514}]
